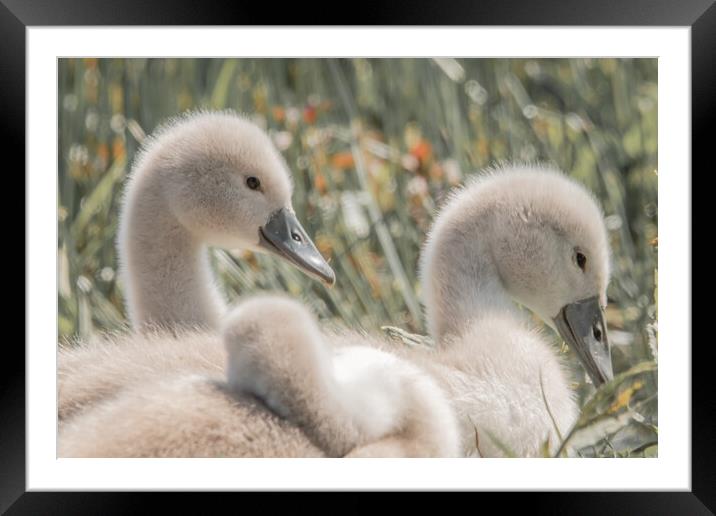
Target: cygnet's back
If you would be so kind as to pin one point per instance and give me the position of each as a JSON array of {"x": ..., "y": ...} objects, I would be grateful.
[{"x": 176, "y": 406}]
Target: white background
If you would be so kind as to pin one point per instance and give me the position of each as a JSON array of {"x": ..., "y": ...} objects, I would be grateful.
[{"x": 671, "y": 470}]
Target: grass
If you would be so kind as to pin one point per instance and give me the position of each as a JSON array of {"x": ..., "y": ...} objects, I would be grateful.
[{"x": 375, "y": 144}]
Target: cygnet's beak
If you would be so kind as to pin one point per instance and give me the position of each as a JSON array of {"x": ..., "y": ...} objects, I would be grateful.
[
  {"x": 283, "y": 235},
  {"x": 581, "y": 325}
]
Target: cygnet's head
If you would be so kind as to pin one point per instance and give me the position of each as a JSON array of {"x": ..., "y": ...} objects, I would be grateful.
[
  {"x": 273, "y": 317},
  {"x": 543, "y": 236},
  {"x": 272, "y": 335},
  {"x": 225, "y": 182}
]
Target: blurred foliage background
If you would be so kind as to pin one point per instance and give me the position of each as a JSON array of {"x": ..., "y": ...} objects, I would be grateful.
[{"x": 374, "y": 145}]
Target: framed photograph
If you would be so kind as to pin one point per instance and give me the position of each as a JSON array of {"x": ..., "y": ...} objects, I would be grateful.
[{"x": 433, "y": 247}]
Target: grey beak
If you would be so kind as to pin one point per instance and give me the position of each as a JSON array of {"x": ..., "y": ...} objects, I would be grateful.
[
  {"x": 283, "y": 235},
  {"x": 581, "y": 325}
]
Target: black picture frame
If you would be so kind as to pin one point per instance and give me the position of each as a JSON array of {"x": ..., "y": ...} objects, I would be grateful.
[{"x": 17, "y": 15}]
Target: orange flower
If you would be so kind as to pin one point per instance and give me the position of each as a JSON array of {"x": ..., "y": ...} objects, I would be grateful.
[
  {"x": 309, "y": 114},
  {"x": 279, "y": 114},
  {"x": 118, "y": 150},
  {"x": 624, "y": 397},
  {"x": 342, "y": 160},
  {"x": 320, "y": 183},
  {"x": 422, "y": 150},
  {"x": 102, "y": 155},
  {"x": 103, "y": 152}
]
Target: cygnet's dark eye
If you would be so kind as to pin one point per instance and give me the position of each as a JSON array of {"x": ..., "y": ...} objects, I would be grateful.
[
  {"x": 581, "y": 260},
  {"x": 253, "y": 182}
]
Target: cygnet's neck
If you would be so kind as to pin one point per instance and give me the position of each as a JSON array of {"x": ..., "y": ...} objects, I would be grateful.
[
  {"x": 168, "y": 281},
  {"x": 462, "y": 284}
]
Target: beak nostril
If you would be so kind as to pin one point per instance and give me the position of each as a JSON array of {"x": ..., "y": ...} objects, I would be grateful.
[{"x": 597, "y": 333}]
